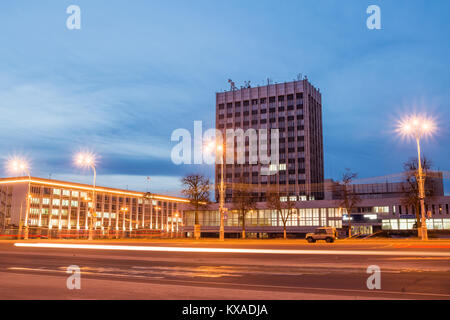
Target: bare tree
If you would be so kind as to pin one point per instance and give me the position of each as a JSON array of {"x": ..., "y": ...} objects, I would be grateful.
[
  {"x": 348, "y": 198},
  {"x": 243, "y": 201},
  {"x": 411, "y": 189},
  {"x": 196, "y": 188},
  {"x": 284, "y": 207}
]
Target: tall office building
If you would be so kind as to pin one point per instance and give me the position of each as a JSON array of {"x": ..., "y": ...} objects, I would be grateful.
[{"x": 295, "y": 109}]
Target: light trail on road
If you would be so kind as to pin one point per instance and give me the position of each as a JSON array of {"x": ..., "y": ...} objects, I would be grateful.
[{"x": 233, "y": 250}]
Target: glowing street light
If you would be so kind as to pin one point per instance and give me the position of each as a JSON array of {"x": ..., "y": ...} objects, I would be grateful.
[
  {"x": 177, "y": 215},
  {"x": 219, "y": 148},
  {"x": 19, "y": 166},
  {"x": 124, "y": 211},
  {"x": 88, "y": 160},
  {"x": 417, "y": 127}
]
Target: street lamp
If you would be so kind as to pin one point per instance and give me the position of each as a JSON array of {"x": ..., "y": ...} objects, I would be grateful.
[
  {"x": 417, "y": 127},
  {"x": 124, "y": 211},
  {"x": 19, "y": 166},
  {"x": 219, "y": 150},
  {"x": 87, "y": 160},
  {"x": 158, "y": 208},
  {"x": 176, "y": 217}
]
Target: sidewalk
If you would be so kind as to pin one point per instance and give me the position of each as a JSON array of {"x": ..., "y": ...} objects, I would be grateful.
[{"x": 213, "y": 241}]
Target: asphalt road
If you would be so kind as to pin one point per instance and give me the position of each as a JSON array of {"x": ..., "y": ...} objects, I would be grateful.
[{"x": 409, "y": 270}]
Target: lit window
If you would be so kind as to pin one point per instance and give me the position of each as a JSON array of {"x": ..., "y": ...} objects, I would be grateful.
[
  {"x": 56, "y": 202},
  {"x": 75, "y": 194},
  {"x": 66, "y": 193},
  {"x": 57, "y": 191}
]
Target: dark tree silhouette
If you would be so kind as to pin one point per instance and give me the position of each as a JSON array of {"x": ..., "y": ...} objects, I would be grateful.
[
  {"x": 284, "y": 208},
  {"x": 196, "y": 188},
  {"x": 348, "y": 199},
  {"x": 411, "y": 189},
  {"x": 243, "y": 201}
]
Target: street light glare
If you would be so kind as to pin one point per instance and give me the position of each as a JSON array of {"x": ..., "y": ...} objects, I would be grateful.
[
  {"x": 17, "y": 165},
  {"x": 85, "y": 159},
  {"x": 416, "y": 126},
  {"x": 213, "y": 145}
]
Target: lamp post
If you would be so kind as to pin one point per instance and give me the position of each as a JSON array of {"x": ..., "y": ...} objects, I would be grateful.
[
  {"x": 87, "y": 160},
  {"x": 418, "y": 127},
  {"x": 221, "y": 196},
  {"x": 219, "y": 149},
  {"x": 157, "y": 208},
  {"x": 124, "y": 211},
  {"x": 176, "y": 217},
  {"x": 20, "y": 166}
]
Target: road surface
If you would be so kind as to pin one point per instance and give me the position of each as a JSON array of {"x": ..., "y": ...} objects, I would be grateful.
[{"x": 248, "y": 270}]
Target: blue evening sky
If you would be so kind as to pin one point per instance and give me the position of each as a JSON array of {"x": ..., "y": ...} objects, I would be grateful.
[{"x": 137, "y": 70}]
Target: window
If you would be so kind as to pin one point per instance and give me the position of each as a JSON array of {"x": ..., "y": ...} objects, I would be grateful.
[
  {"x": 74, "y": 203},
  {"x": 381, "y": 209},
  {"x": 66, "y": 193},
  {"x": 394, "y": 224},
  {"x": 56, "y": 202},
  {"x": 331, "y": 213},
  {"x": 75, "y": 194}
]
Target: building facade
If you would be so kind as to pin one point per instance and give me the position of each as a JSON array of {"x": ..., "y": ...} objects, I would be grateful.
[
  {"x": 434, "y": 187},
  {"x": 371, "y": 215},
  {"x": 65, "y": 207},
  {"x": 295, "y": 109}
]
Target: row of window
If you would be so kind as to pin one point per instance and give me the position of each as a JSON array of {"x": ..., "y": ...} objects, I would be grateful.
[
  {"x": 433, "y": 209},
  {"x": 409, "y": 224}
]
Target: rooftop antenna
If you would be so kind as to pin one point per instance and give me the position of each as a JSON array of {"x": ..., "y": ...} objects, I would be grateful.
[
  {"x": 299, "y": 77},
  {"x": 269, "y": 81},
  {"x": 232, "y": 85},
  {"x": 247, "y": 84},
  {"x": 148, "y": 182},
  {"x": 49, "y": 176}
]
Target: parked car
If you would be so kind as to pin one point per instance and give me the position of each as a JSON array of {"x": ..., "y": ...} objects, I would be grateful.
[{"x": 329, "y": 234}]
